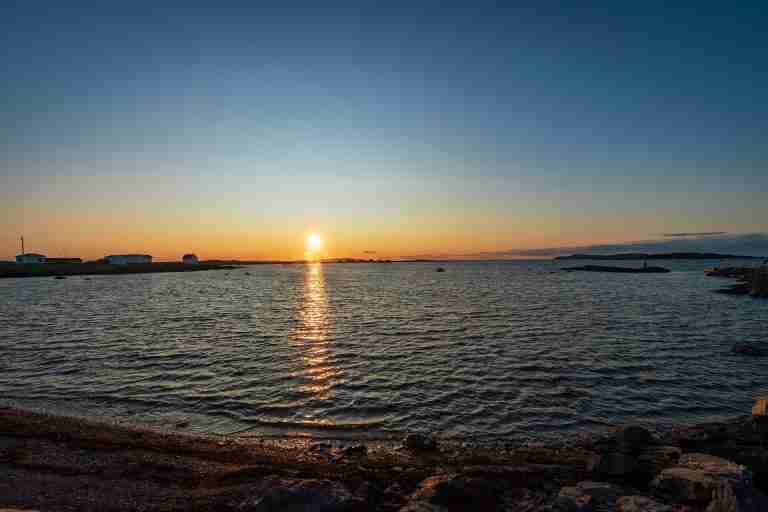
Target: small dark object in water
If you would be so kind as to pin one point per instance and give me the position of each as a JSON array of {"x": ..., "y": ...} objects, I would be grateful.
[
  {"x": 620, "y": 270},
  {"x": 439, "y": 269},
  {"x": 749, "y": 350}
]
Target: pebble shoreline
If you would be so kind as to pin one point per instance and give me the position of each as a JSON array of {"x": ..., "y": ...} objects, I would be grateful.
[{"x": 57, "y": 463}]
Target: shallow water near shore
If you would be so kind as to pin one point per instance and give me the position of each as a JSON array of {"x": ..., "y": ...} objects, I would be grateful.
[{"x": 485, "y": 350}]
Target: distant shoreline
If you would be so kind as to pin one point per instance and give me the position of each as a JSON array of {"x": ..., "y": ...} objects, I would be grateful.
[
  {"x": 93, "y": 269},
  {"x": 658, "y": 256}
]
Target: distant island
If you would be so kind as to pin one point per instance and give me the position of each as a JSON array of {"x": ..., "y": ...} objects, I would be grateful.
[
  {"x": 658, "y": 256},
  {"x": 620, "y": 270}
]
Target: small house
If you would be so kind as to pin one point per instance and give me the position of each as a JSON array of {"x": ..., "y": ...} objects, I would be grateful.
[
  {"x": 190, "y": 259},
  {"x": 30, "y": 257},
  {"x": 128, "y": 259}
]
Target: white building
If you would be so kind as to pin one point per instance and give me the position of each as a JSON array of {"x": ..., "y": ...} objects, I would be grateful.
[
  {"x": 127, "y": 259},
  {"x": 30, "y": 257},
  {"x": 190, "y": 259}
]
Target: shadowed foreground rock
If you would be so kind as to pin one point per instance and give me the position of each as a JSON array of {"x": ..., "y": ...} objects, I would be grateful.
[{"x": 62, "y": 464}]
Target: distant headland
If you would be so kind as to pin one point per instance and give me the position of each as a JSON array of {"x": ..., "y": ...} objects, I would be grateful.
[{"x": 658, "y": 256}]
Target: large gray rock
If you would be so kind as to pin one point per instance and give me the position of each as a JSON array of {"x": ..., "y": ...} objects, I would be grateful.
[
  {"x": 640, "y": 504},
  {"x": 286, "y": 495}
]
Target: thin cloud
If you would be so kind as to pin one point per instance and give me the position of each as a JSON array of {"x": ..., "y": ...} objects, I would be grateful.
[{"x": 705, "y": 233}]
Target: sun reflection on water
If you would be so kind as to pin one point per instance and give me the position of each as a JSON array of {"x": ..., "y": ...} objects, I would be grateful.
[{"x": 312, "y": 336}]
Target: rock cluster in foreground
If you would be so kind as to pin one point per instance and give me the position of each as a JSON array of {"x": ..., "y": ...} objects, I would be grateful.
[{"x": 62, "y": 464}]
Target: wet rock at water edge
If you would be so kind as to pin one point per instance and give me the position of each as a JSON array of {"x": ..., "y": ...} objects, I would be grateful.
[
  {"x": 749, "y": 350},
  {"x": 420, "y": 442}
]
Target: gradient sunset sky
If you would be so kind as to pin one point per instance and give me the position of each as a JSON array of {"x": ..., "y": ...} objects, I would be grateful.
[{"x": 236, "y": 129}]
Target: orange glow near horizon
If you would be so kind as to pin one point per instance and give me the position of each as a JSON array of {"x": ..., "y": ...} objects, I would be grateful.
[{"x": 91, "y": 230}]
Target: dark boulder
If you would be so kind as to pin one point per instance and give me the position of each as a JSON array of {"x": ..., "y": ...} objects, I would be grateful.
[
  {"x": 454, "y": 492},
  {"x": 420, "y": 442},
  {"x": 633, "y": 437},
  {"x": 617, "y": 465}
]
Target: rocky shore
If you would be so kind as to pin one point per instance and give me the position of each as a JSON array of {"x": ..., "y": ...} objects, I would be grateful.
[{"x": 51, "y": 463}]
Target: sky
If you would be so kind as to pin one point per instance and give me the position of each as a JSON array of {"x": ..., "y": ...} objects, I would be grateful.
[{"x": 236, "y": 129}]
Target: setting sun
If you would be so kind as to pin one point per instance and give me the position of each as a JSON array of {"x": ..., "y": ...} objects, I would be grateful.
[{"x": 314, "y": 242}]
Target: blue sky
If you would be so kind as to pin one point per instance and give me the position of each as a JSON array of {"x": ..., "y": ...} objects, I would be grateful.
[{"x": 624, "y": 120}]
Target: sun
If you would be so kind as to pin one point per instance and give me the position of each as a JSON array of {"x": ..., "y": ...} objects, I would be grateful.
[{"x": 314, "y": 242}]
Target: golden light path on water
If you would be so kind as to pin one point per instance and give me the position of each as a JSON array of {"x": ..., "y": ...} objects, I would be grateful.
[{"x": 312, "y": 336}]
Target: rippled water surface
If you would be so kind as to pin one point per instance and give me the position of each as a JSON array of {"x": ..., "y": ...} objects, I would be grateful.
[{"x": 483, "y": 350}]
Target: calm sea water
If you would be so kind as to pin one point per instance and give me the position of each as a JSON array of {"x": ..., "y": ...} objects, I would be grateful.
[{"x": 484, "y": 350}]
